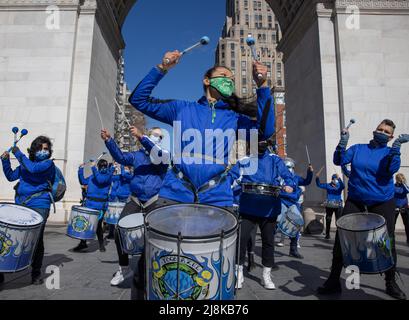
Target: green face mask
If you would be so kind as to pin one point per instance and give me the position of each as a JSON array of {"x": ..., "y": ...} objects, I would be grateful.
[{"x": 225, "y": 86}]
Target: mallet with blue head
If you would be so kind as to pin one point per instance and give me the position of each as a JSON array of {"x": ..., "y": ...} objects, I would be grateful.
[
  {"x": 251, "y": 42},
  {"x": 203, "y": 41}
]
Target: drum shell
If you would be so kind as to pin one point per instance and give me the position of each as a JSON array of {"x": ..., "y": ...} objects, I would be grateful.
[
  {"x": 290, "y": 224},
  {"x": 333, "y": 204},
  {"x": 88, "y": 217},
  {"x": 114, "y": 212},
  {"x": 197, "y": 255},
  {"x": 370, "y": 250},
  {"x": 17, "y": 245},
  {"x": 260, "y": 205},
  {"x": 132, "y": 239}
]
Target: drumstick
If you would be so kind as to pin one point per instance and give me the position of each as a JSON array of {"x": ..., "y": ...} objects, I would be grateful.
[
  {"x": 99, "y": 113},
  {"x": 123, "y": 113},
  {"x": 308, "y": 155},
  {"x": 319, "y": 172}
]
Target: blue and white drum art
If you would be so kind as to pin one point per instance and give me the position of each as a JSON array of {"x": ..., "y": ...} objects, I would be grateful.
[
  {"x": 291, "y": 222},
  {"x": 131, "y": 233},
  {"x": 190, "y": 253},
  {"x": 260, "y": 200},
  {"x": 365, "y": 242},
  {"x": 20, "y": 229},
  {"x": 83, "y": 223},
  {"x": 114, "y": 212}
]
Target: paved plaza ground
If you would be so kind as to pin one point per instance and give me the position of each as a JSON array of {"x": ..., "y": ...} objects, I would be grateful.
[{"x": 87, "y": 275}]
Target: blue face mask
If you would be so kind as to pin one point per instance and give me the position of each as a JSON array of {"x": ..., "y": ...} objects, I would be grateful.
[
  {"x": 42, "y": 155},
  {"x": 381, "y": 138}
]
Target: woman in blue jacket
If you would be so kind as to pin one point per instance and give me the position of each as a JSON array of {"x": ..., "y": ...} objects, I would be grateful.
[
  {"x": 271, "y": 170},
  {"x": 147, "y": 179},
  {"x": 370, "y": 188},
  {"x": 190, "y": 179},
  {"x": 401, "y": 198},
  {"x": 98, "y": 185},
  {"x": 293, "y": 200},
  {"x": 334, "y": 200},
  {"x": 35, "y": 175}
]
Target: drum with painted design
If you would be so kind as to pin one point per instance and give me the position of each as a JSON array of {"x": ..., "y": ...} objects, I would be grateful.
[
  {"x": 20, "y": 229},
  {"x": 83, "y": 223},
  {"x": 190, "y": 253}
]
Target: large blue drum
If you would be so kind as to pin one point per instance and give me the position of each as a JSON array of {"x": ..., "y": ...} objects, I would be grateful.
[
  {"x": 291, "y": 222},
  {"x": 83, "y": 223},
  {"x": 190, "y": 253},
  {"x": 365, "y": 242},
  {"x": 20, "y": 229}
]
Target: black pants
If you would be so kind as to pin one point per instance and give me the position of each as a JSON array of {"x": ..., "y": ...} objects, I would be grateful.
[
  {"x": 251, "y": 244},
  {"x": 385, "y": 209},
  {"x": 404, "y": 212},
  {"x": 328, "y": 217},
  {"x": 267, "y": 227}
]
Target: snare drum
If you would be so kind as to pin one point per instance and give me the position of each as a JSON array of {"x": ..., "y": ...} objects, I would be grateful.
[
  {"x": 131, "y": 233},
  {"x": 332, "y": 204},
  {"x": 291, "y": 222},
  {"x": 114, "y": 212},
  {"x": 190, "y": 253},
  {"x": 20, "y": 229},
  {"x": 365, "y": 242},
  {"x": 260, "y": 200},
  {"x": 83, "y": 223}
]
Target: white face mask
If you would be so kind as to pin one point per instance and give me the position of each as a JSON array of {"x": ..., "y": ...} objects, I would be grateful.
[
  {"x": 291, "y": 170},
  {"x": 155, "y": 139}
]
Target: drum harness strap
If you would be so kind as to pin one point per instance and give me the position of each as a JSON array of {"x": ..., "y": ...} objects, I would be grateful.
[
  {"x": 215, "y": 181},
  {"x": 147, "y": 203}
]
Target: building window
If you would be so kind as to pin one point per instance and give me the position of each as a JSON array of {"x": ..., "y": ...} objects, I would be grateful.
[
  {"x": 244, "y": 90},
  {"x": 244, "y": 81},
  {"x": 233, "y": 63},
  {"x": 243, "y": 65},
  {"x": 246, "y": 4}
]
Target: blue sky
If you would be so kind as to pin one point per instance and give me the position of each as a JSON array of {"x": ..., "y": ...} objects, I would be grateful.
[{"x": 156, "y": 26}]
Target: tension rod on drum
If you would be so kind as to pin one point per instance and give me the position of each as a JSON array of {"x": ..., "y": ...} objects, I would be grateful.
[
  {"x": 221, "y": 265},
  {"x": 178, "y": 266}
]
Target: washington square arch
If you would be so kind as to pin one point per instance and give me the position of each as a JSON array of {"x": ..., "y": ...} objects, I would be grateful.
[{"x": 343, "y": 59}]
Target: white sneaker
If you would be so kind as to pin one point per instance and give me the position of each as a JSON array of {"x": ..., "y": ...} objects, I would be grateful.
[
  {"x": 120, "y": 276},
  {"x": 280, "y": 244},
  {"x": 298, "y": 242},
  {"x": 239, "y": 277},
  {"x": 266, "y": 281}
]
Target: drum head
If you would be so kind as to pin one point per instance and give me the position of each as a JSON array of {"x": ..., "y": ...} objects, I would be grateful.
[
  {"x": 131, "y": 221},
  {"x": 19, "y": 216},
  {"x": 193, "y": 221},
  {"x": 357, "y": 222},
  {"x": 85, "y": 210}
]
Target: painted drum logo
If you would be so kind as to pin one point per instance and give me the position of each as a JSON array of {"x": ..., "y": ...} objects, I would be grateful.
[
  {"x": 80, "y": 224},
  {"x": 5, "y": 245},
  {"x": 194, "y": 278}
]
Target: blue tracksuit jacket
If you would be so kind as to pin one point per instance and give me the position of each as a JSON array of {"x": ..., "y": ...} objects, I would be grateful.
[
  {"x": 333, "y": 192},
  {"x": 192, "y": 121}
]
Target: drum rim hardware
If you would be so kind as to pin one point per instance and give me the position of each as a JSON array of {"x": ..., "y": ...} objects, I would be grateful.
[
  {"x": 262, "y": 189},
  {"x": 86, "y": 210},
  {"x": 194, "y": 238},
  {"x": 358, "y": 214}
]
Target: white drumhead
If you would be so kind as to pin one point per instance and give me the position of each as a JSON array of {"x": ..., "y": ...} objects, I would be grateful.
[
  {"x": 131, "y": 221},
  {"x": 19, "y": 216},
  {"x": 85, "y": 210}
]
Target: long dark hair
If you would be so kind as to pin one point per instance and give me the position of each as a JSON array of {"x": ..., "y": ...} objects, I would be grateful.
[
  {"x": 37, "y": 145},
  {"x": 246, "y": 106}
]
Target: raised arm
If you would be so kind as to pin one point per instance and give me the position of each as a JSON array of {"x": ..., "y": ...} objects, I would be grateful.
[
  {"x": 31, "y": 166},
  {"x": 123, "y": 158},
  {"x": 157, "y": 155},
  {"x": 83, "y": 181},
  {"x": 307, "y": 180},
  {"x": 342, "y": 157},
  {"x": 11, "y": 175},
  {"x": 319, "y": 184}
]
